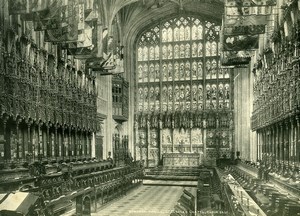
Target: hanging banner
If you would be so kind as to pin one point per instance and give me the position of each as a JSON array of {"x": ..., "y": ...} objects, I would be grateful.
[
  {"x": 27, "y": 6},
  {"x": 63, "y": 27},
  {"x": 244, "y": 18},
  {"x": 233, "y": 58},
  {"x": 86, "y": 46},
  {"x": 244, "y": 30},
  {"x": 51, "y": 18},
  {"x": 249, "y": 7},
  {"x": 240, "y": 42}
]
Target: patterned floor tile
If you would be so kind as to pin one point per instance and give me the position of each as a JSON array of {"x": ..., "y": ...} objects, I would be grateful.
[{"x": 145, "y": 201}]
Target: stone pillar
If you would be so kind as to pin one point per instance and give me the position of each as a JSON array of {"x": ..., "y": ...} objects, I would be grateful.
[
  {"x": 63, "y": 147},
  {"x": 70, "y": 154},
  {"x": 204, "y": 140},
  {"x": 89, "y": 145},
  {"x": 276, "y": 143},
  {"x": 257, "y": 144},
  {"x": 160, "y": 138},
  {"x": 48, "y": 149},
  {"x": 286, "y": 143},
  {"x": 137, "y": 141},
  {"x": 56, "y": 143},
  {"x": 40, "y": 141},
  {"x": 191, "y": 127},
  {"x": 29, "y": 141},
  {"x": 292, "y": 142},
  {"x": 297, "y": 142},
  {"x": 148, "y": 142},
  {"x": 173, "y": 134},
  {"x": 18, "y": 144},
  {"x": 281, "y": 142}
]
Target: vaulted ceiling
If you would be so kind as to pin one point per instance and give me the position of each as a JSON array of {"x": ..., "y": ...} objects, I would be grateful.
[
  {"x": 134, "y": 15},
  {"x": 139, "y": 14}
]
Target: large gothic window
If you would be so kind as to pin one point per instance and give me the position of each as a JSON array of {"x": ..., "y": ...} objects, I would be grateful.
[{"x": 178, "y": 79}]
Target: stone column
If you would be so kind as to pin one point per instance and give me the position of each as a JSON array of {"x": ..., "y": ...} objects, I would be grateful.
[
  {"x": 48, "y": 142},
  {"x": 63, "y": 148},
  {"x": 286, "y": 143},
  {"x": 56, "y": 143},
  {"x": 281, "y": 142},
  {"x": 19, "y": 148},
  {"x": 297, "y": 142},
  {"x": 40, "y": 141},
  {"x": 29, "y": 141},
  {"x": 257, "y": 144},
  {"x": 148, "y": 142},
  {"x": 69, "y": 147},
  {"x": 137, "y": 141},
  {"x": 292, "y": 143},
  {"x": 160, "y": 138},
  {"x": 276, "y": 143}
]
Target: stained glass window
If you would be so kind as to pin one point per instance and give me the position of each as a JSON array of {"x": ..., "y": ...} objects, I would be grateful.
[
  {"x": 183, "y": 49},
  {"x": 178, "y": 70}
]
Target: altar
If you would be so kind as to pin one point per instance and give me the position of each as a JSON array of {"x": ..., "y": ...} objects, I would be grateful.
[{"x": 181, "y": 159}]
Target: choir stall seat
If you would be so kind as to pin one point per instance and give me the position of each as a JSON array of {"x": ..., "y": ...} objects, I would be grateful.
[
  {"x": 280, "y": 204},
  {"x": 291, "y": 209},
  {"x": 272, "y": 197}
]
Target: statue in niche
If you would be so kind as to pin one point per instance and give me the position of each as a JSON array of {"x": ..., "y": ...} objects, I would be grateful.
[
  {"x": 194, "y": 71},
  {"x": 182, "y": 93},
  {"x": 170, "y": 94},
  {"x": 208, "y": 92},
  {"x": 200, "y": 92},
  {"x": 177, "y": 94},
  {"x": 223, "y": 143},
  {"x": 157, "y": 94},
  {"x": 165, "y": 73},
  {"x": 151, "y": 95},
  {"x": 182, "y": 51},
  {"x": 181, "y": 71},
  {"x": 176, "y": 72},
  {"x": 226, "y": 92},
  {"x": 187, "y": 51},
  {"x": 146, "y": 93},
  {"x": 194, "y": 92},
  {"x": 194, "y": 50},
  {"x": 213, "y": 72},
  {"x": 221, "y": 94},
  {"x": 165, "y": 94},
  {"x": 176, "y": 51},
  {"x": 187, "y": 71},
  {"x": 221, "y": 105},
  {"x": 187, "y": 94},
  {"x": 170, "y": 52},
  {"x": 214, "y": 92}
]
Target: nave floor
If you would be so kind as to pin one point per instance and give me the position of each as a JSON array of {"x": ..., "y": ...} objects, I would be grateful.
[{"x": 144, "y": 201}]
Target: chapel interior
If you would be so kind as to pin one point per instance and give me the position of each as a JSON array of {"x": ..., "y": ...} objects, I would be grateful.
[{"x": 149, "y": 107}]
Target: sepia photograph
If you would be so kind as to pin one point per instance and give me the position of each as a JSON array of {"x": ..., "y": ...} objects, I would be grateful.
[{"x": 149, "y": 107}]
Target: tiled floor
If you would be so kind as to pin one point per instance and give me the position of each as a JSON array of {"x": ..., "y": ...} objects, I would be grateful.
[
  {"x": 169, "y": 182},
  {"x": 144, "y": 201}
]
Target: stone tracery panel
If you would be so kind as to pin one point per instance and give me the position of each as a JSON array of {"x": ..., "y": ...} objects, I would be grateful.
[{"x": 178, "y": 74}]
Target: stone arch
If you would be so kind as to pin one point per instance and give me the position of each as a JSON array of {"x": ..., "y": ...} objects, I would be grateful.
[{"x": 86, "y": 205}]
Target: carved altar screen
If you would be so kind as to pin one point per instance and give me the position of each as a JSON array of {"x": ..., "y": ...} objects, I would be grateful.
[{"x": 182, "y": 94}]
